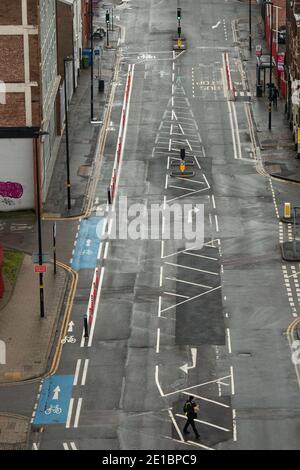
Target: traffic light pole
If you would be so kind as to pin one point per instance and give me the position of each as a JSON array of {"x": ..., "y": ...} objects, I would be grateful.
[{"x": 38, "y": 207}]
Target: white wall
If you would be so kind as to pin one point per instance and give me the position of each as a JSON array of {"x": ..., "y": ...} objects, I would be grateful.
[{"x": 16, "y": 166}]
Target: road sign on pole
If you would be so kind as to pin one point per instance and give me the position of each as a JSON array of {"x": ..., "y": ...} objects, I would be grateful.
[{"x": 40, "y": 268}]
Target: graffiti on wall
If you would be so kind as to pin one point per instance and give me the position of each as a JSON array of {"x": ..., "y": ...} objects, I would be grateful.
[{"x": 10, "y": 191}]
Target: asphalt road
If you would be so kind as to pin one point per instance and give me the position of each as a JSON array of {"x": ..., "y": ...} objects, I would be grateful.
[{"x": 171, "y": 321}]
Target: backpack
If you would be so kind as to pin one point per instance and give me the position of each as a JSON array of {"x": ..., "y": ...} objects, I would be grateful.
[{"x": 187, "y": 407}]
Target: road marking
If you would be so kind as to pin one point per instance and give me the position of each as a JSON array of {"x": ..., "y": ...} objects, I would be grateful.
[
  {"x": 96, "y": 308},
  {"x": 86, "y": 365},
  {"x": 188, "y": 282},
  {"x": 70, "y": 413},
  {"x": 228, "y": 340},
  {"x": 177, "y": 295},
  {"x": 79, "y": 404},
  {"x": 217, "y": 224},
  {"x": 234, "y": 425},
  {"x": 216, "y": 25},
  {"x": 161, "y": 276},
  {"x": 201, "y": 256},
  {"x": 189, "y": 300},
  {"x": 213, "y": 201},
  {"x": 232, "y": 380},
  {"x": 77, "y": 372},
  {"x": 175, "y": 425},
  {"x": 208, "y": 399},
  {"x": 158, "y": 340},
  {"x": 205, "y": 422},
  {"x": 193, "y": 269}
]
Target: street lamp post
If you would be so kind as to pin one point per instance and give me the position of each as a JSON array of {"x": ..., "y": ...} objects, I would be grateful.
[
  {"x": 107, "y": 27},
  {"x": 38, "y": 204},
  {"x": 250, "y": 26},
  {"x": 67, "y": 59},
  {"x": 271, "y": 61}
]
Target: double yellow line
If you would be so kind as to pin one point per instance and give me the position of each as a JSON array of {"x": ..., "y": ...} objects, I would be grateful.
[{"x": 66, "y": 319}]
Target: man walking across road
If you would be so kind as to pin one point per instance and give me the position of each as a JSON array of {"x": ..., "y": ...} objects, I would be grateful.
[{"x": 190, "y": 408}]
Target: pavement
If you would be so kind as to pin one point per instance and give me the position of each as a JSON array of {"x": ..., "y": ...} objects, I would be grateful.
[
  {"x": 82, "y": 135},
  {"x": 14, "y": 431},
  {"x": 27, "y": 337},
  {"x": 277, "y": 147},
  {"x": 30, "y": 340}
]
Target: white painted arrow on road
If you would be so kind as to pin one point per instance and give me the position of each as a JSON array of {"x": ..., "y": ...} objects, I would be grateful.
[
  {"x": 186, "y": 367},
  {"x": 56, "y": 393},
  {"x": 70, "y": 329}
]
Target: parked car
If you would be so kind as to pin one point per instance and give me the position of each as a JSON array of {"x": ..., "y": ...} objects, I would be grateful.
[{"x": 281, "y": 34}]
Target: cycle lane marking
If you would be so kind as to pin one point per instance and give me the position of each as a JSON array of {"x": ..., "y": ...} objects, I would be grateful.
[{"x": 53, "y": 405}]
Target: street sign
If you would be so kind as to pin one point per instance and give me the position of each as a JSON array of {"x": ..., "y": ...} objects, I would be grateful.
[
  {"x": 40, "y": 268},
  {"x": 36, "y": 259}
]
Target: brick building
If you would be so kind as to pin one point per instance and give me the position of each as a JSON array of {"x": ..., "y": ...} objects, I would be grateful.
[
  {"x": 29, "y": 85},
  {"x": 293, "y": 64},
  {"x": 276, "y": 15}
]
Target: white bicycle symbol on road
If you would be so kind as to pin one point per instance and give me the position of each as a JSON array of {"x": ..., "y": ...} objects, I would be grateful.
[
  {"x": 53, "y": 409},
  {"x": 68, "y": 339}
]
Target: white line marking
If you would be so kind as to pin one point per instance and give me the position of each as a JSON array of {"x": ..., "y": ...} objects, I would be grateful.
[
  {"x": 217, "y": 224},
  {"x": 65, "y": 445},
  {"x": 157, "y": 340},
  {"x": 213, "y": 201},
  {"x": 106, "y": 250},
  {"x": 188, "y": 282},
  {"x": 208, "y": 399},
  {"x": 78, "y": 413},
  {"x": 229, "y": 339},
  {"x": 161, "y": 276},
  {"x": 232, "y": 380},
  {"x": 189, "y": 300},
  {"x": 70, "y": 413},
  {"x": 205, "y": 422},
  {"x": 177, "y": 295},
  {"x": 175, "y": 425},
  {"x": 234, "y": 425},
  {"x": 77, "y": 372},
  {"x": 86, "y": 364},
  {"x": 73, "y": 446},
  {"x": 193, "y": 269},
  {"x": 96, "y": 308}
]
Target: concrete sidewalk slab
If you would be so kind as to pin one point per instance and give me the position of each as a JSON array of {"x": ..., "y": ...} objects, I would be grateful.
[
  {"x": 83, "y": 137},
  {"x": 27, "y": 337},
  {"x": 277, "y": 147},
  {"x": 14, "y": 432}
]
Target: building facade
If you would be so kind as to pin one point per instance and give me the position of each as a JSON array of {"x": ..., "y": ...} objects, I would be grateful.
[
  {"x": 29, "y": 88},
  {"x": 293, "y": 65}
]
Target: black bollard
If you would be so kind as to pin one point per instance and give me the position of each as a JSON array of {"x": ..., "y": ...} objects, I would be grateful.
[{"x": 86, "y": 328}]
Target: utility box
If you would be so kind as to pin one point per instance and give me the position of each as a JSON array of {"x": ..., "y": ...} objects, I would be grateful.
[
  {"x": 101, "y": 86},
  {"x": 259, "y": 91}
]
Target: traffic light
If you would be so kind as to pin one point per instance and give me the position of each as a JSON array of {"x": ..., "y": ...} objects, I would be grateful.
[
  {"x": 107, "y": 17},
  {"x": 178, "y": 14}
]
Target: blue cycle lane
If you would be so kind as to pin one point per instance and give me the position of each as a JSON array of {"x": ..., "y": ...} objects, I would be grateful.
[
  {"x": 88, "y": 242},
  {"x": 54, "y": 400},
  {"x": 56, "y": 392}
]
